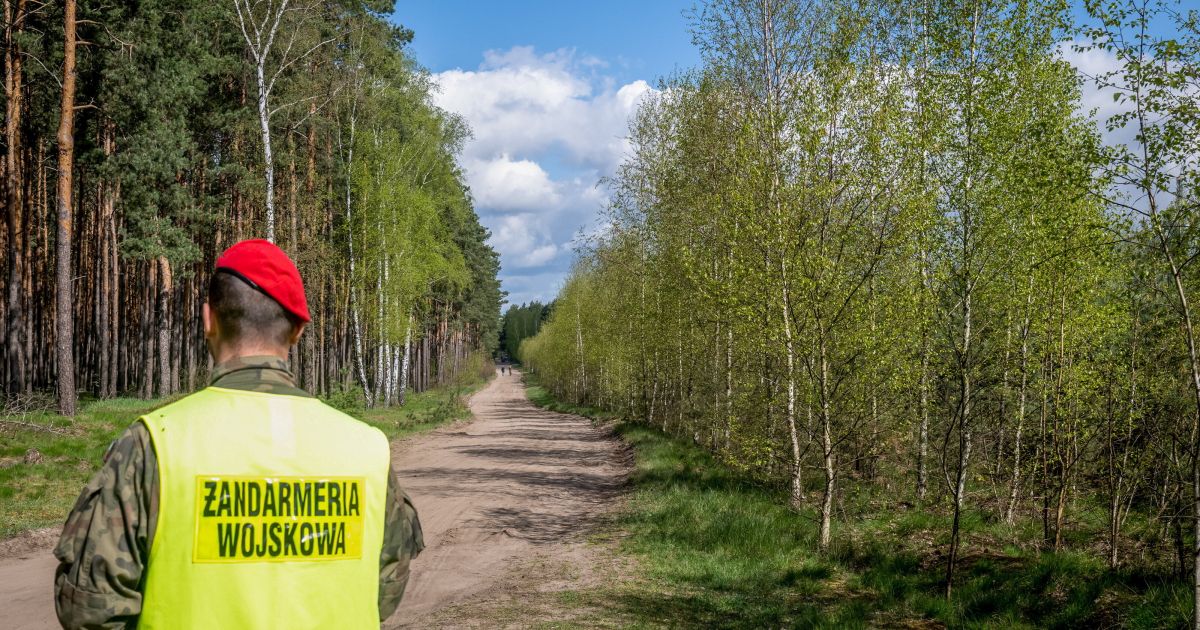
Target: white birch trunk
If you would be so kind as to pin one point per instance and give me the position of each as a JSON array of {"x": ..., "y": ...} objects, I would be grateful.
[
  {"x": 579, "y": 349},
  {"x": 728, "y": 385},
  {"x": 404, "y": 360},
  {"x": 260, "y": 45},
  {"x": 354, "y": 317},
  {"x": 1015, "y": 486},
  {"x": 923, "y": 431},
  {"x": 264, "y": 122},
  {"x": 790, "y": 347},
  {"x": 824, "y": 535},
  {"x": 381, "y": 345},
  {"x": 393, "y": 379}
]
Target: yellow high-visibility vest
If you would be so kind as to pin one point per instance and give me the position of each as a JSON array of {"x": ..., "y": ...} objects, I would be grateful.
[{"x": 271, "y": 514}]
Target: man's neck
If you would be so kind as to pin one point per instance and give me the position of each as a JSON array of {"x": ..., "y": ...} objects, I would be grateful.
[
  {"x": 226, "y": 354},
  {"x": 261, "y": 373}
]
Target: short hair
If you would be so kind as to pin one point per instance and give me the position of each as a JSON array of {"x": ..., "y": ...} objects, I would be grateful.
[{"x": 246, "y": 313}]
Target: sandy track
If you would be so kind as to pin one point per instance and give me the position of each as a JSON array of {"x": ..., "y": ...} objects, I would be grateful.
[
  {"x": 515, "y": 484},
  {"x": 27, "y": 581}
]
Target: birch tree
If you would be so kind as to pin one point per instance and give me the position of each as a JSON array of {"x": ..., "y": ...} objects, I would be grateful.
[
  {"x": 1157, "y": 82},
  {"x": 260, "y": 22}
]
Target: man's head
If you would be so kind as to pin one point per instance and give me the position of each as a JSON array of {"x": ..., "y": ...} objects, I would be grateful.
[{"x": 256, "y": 303}]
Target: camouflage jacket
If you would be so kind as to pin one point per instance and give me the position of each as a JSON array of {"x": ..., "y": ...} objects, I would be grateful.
[{"x": 106, "y": 541}]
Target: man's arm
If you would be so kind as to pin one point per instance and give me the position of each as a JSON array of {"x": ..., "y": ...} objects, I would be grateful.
[
  {"x": 402, "y": 541},
  {"x": 105, "y": 543}
]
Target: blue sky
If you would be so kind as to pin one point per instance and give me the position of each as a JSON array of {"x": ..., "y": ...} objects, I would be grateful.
[
  {"x": 639, "y": 40},
  {"x": 547, "y": 88}
]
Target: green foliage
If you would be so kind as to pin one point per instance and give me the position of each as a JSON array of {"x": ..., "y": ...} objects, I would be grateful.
[
  {"x": 421, "y": 255},
  {"x": 162, "y": 62},
  {"x": 541, "y": 397},
  {"x": 521, "y": 323},
  {"x": 879, "y": 249},
  {"x": 348, "y": 399}
]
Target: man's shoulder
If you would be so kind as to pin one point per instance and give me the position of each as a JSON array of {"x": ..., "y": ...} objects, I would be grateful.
[{"x": 133, "y": 446}]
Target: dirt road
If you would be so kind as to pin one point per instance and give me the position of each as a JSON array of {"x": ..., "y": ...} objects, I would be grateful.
[
  {"x": 514, "y": 486},
  {"x": 517, "y": 484}
]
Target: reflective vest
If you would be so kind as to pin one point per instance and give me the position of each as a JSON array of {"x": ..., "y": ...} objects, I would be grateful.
[{"x": 271, "y": 514}]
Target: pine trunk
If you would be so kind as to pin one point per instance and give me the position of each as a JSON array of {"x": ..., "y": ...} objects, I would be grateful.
[
  {"x": 15, "y": 309},
  {"x": 164, "y": 326},
  {"x": 64, "y": 340}
]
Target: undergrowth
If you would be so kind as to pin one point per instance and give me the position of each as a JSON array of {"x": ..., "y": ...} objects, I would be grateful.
[{"x": 714, "y": 548}]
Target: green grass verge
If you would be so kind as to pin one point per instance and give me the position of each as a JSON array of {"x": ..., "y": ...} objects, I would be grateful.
[
  {"x": 40, "y": 494},
  {"x": 34, "y": 495},
  {"x": 542, "y": 397},
  {"x": 420, "y": 412},
  {"x": 715, "y": 549}
]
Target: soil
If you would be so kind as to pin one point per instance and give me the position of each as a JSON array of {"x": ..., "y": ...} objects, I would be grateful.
[
  {"x": 508, "y": 502},
  {"x": 27, "y": 580},
  {"x": 517, "y": 487}
]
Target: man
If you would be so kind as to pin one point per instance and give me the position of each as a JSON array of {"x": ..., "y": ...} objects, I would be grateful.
[{"x": 249, "y": 504}]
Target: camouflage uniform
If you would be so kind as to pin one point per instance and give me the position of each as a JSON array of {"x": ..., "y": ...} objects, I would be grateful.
[{"x": 106, "y": 541}]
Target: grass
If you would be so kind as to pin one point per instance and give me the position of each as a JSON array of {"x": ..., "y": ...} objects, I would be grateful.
[
  {"x": 540, "y": 396},
  {"x": 715, "y": 549},
  {"x": 34, "y": 495},
  {"x": 420, "y": 412},
  {"x": 40, "y": 494}
]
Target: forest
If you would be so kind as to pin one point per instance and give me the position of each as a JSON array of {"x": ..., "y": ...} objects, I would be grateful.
[
  {"x": 880, "y": 256},
  {"x": 143, "y": 138},
  {"x": 520, "y": 322}
]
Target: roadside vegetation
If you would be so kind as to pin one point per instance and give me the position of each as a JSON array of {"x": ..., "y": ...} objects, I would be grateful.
[
  {"x": 423, "y": 411},
  {"x": 45, "y": 461},
  {"x": 883, "y": 259},
  {"x": 715, "y": 547},
  {"x": 540, "y": 396}
]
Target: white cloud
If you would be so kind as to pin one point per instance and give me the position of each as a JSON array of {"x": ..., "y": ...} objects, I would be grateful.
[
  {"x": 523, "y": 241},
  {"x": 519, "y": 102},
  {"x": 539, "y": 256},
  {"x": 503, "y": 183},
  {"x": 1096, "y": 101},
  {"x": 546, "y": 128},
  {"x": 542, "y": 286}
]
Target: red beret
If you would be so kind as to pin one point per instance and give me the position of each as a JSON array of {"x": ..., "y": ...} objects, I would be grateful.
[{"x": 265, "y": 267}]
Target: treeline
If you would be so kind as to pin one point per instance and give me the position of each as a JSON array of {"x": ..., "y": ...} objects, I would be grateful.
[
  {"x": 879, "y": 248},
  {"x": 143, "y": 138},
  {"x": 520, "y": 323}
]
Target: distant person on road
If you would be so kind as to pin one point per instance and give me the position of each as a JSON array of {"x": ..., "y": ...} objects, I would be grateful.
[{"x": 249, "y": 504}]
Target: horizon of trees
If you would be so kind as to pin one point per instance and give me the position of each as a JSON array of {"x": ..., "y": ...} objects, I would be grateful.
[
  {"x": 143, "y": 138},
  {"x": 880, "y": 248},
  {"x": 520, "y": 322}
]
